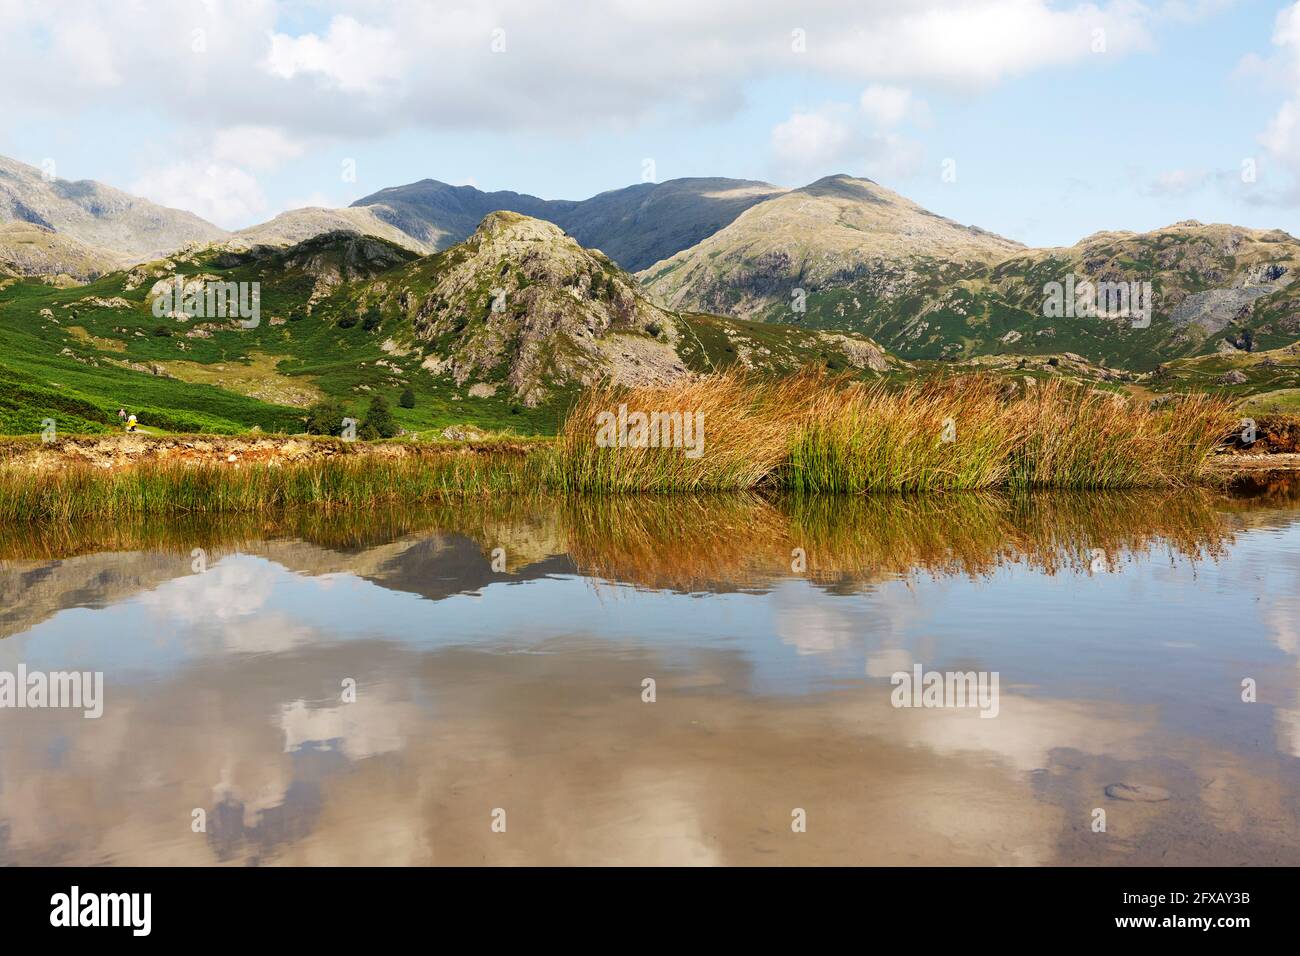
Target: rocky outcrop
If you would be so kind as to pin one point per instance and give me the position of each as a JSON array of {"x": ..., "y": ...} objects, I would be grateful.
[
  {"x": 860, "y": 353},
  {"x": 522, "y": 303},
  {"x": 1212, "y": 309}
]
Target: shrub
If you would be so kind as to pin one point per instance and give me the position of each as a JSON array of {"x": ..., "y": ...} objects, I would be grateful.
[
  {"x": 379, "y": 421},
  {"x": 408, "y": 398},
  {"x": 326, "y": 418}
]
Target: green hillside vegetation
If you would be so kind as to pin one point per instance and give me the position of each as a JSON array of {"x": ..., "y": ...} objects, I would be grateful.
[
  {"x": 345, "y": 319},
  {"x": 926, "y": 311},
  {"x": 1261, "y": 379},
  {"x": 74, "y": 356}
]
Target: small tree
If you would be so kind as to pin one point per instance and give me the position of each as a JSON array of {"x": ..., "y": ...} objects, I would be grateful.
[
  {"x": 408, "y": 398},
  {"x": 372, "y": 320},
  {"x": 326, "y": 418},
  {"x": 379, "y": 421}
]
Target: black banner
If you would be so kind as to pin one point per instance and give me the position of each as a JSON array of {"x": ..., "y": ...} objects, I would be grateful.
[{"x": 340, "y": 905}]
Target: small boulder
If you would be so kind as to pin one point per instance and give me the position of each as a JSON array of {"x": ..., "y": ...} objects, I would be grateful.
[{"x": 1137, "y": 793}]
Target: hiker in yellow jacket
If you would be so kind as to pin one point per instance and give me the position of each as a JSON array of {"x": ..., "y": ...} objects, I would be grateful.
[{"x": 130, "y": 424}]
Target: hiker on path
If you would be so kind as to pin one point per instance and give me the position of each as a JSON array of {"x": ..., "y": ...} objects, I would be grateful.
[
  {"x": 121, "y": 413},
  {"x": 130, "y": 424}
]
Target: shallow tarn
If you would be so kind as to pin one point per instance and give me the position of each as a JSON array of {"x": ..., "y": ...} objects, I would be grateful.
[{"x": 499, "y": 654}]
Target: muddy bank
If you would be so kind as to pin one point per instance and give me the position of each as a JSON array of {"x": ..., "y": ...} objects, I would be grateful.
[
  {"x": 1237, "y": 464},
  {"x": 119, "y": 451}
]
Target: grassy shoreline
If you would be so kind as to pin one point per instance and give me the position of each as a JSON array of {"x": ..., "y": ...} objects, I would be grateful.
[{"x": 809, "y": 433}]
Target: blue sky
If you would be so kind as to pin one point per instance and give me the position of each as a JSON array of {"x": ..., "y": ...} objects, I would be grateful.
[{"x": 238, "y": 110}]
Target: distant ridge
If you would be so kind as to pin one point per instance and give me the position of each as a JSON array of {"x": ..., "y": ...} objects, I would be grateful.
[{"x": 99, "y": 216}]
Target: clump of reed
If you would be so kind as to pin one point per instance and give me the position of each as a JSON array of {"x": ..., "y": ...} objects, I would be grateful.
[
  {"x": 820, "y": 433},
  {"x": 746, "y": 435},
  {"x": 855, "y": 437},
  {"x": 1086, "y": 439},
  {"x": 353, "y": 481},
  {"x": 976, "y": 432},
  {"x": 808, "y": 433}
]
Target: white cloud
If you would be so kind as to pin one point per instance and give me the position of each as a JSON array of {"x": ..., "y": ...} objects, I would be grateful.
[
  {"x": 89, "y": 62},
  {"x": 863, "y": 141},
  {"x": 1188, "y": 11},
  {"x": 813, "y": 139},
  {"x": 1177, "y": 182},
  {"x": 1281, "y": 138},
  {"x": 223, "y": 194},
  {"x": 834, "y": 139},
  {"x": 351, "y": 57},
  {"x": 255, "y": 147},
  {"x": 888, "y": 105},
  {"x": 377, "y": 68},
  {"x": 985, "y": 42},
  {"x": 314, "y": 199},
  {"x": 248, "y": 88},
  {"x": 216, "y": 176}
]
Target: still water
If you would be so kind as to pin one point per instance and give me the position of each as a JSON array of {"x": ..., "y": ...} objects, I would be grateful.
[{"x": 664, "y": 681}]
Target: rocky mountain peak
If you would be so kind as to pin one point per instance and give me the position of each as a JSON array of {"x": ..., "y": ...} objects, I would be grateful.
[
  {"x": 522, "y": 305},
  {"x": 834, "y": 232}
]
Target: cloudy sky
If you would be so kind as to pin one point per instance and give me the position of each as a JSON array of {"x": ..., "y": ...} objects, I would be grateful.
[{"x": 1044, "y": 120}]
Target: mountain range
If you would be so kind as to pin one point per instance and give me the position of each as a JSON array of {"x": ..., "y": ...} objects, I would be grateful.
[
  {"x": 721, "y": 258},
  {"x": 110, "y": 223},
  {"x": 636, "y": 226}
]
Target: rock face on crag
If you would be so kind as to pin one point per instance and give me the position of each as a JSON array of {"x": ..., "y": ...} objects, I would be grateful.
[{"x": 522, "y": 303}]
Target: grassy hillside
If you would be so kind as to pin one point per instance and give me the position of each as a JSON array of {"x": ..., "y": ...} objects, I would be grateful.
[
  {"x": 1214, "y": 288},
  {"x": 79, "y": 354},
  {"x": 1267, "y": 380},
  {"x": 345, "y": 318}
]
